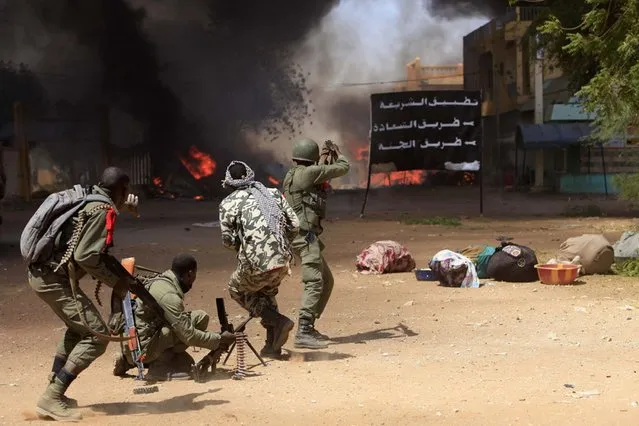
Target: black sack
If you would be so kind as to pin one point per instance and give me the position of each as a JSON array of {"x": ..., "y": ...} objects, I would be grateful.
[{"x": 513, "y": 263}]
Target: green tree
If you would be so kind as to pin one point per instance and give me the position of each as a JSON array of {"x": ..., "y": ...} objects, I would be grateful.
[
  {"x": 18, "y": 83},
  {"x": 596, "y": 43}
]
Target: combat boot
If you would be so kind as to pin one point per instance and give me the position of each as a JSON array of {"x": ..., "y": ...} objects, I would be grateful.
[
  {"x": 52, "y": 405},
  {"x": 318, "y": 335},
  {"x": 267, "y": 351},
  {"x": 120, "y": 365},
  {"x": 163, "y": 369},
  {"x": 281, "y": 326},
  {"x": 70, "y": 402},
  {"x": 305, "y": 338}
]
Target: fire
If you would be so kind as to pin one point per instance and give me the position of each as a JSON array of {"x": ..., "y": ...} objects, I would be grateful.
[
  {"x": 200, "y": 164},
  {"x": 198, "y": 197},
  {"x": 409, "y": 177},
  {"x": 361, "y": 153},
  {"x": 273, "y": 181}
]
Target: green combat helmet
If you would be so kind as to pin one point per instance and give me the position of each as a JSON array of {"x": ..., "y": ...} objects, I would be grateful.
[{"x": 306, "y": 150}]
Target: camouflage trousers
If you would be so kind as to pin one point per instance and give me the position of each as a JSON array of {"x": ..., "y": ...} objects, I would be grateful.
[
  {"x": 255, "y": 292},
  {"x": 78, "y": 345},
  {"x": 316, "y": 277}
]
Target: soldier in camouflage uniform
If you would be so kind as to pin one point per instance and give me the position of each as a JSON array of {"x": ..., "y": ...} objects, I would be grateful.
[
  {"x": 305, "y": 189},
  {"x": 80, "y": 346},
  {"x": 164, "y": 348},
  {"x": 259, "y": 225}
]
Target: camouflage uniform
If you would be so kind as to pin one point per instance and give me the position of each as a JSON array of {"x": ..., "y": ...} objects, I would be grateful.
[
  {"x": 78, "y": 345},
  {"x": 262, "y": 261},
  {"x": 304, "y": 188},
  {"x": 262, "y": 264}
]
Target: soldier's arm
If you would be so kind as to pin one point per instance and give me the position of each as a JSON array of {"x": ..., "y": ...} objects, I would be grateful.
[
  {"x": 292, "y": 221},
  {"x": 90, "y": 252},
  {"x": 227, "y": 224},
  {"x": 180, "y": 322},
  {"x": 320, "y": 173}
]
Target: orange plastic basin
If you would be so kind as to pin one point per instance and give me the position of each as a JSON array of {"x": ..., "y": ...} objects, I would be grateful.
[{"x": 559, "y": 274}]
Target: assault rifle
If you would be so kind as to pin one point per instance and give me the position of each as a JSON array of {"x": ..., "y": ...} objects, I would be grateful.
[{"x": 211, "y": 360}]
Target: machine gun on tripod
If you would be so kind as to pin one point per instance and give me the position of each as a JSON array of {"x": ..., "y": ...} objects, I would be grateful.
[{"x": 210, "y": 361}]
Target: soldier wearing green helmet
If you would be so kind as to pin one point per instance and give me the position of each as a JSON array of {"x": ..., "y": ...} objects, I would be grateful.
[{"x": 305, "y": 188}]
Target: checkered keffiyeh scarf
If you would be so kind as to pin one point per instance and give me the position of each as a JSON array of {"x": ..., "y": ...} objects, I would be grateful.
[{"x": 274, "y": 216}]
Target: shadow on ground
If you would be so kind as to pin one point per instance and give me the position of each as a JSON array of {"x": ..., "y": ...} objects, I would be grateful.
[
  {"x": 400, "y": 330},
  {"x": 176, "y": 404}
]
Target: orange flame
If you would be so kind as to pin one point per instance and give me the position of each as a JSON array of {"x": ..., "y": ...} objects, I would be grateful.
[
  {"x": 409, "y": 177},
  {"x": 273, "y": 181},
  {"x": 200, "y": 164}
]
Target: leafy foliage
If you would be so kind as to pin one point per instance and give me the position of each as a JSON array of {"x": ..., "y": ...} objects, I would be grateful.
[
  {"x": 628, "y": 185},
  {"x": 596, "y": 42}
]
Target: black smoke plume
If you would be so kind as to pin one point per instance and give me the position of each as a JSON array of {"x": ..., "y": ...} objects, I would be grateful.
[{"x": 244, "y": 75}]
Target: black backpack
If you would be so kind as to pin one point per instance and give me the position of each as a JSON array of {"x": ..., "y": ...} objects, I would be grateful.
[{"x": 513, "y": 263}]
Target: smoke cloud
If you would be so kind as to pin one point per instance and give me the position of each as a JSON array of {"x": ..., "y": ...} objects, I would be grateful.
[
  {"x": 239, "y": 79},
  {"x": 363, "y": 41}
]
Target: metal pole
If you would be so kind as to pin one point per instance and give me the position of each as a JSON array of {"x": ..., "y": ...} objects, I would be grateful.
[
  {"x": 481, "y": 160},
  {"x": 603, "y": 165},
  {"x": 21, "y": 140},
  {"x": 370, "y": 148}
]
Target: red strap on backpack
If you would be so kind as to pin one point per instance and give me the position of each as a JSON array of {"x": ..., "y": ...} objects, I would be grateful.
[{"x": 110, "y": 226}]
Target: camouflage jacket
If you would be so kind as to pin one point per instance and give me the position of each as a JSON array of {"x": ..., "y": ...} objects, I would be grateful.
[
  {"x": 166, "y": 289},
  {"x": 245, "y": 229}
]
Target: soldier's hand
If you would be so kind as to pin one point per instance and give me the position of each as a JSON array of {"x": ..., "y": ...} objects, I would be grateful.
[
  {"x": 131, "y": 204},
  {"x": 227, "y": 339},
  {"x": 335, "y": 149}
]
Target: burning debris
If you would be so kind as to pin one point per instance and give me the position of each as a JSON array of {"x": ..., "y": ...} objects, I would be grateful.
[{"x": 198, "y": 163}]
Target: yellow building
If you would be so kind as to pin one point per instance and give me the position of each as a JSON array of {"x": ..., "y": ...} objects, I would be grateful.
[
  {"x": 432, "y": 77},
  {"x": 499, "y": 60}
]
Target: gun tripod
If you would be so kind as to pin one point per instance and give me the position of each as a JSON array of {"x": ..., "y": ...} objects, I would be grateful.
[
  {"x": 248, "y": 343},
  {"x": 226, "y": 326}
]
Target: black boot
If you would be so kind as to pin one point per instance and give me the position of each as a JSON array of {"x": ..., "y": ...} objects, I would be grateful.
[
  {"x": 170, "y": 366},
  {"x": 281, "y": 326},
  {"x": 318, "y": 335},
  {"x": 305, "y": 338},
  {"x": 267, "y": 351}
]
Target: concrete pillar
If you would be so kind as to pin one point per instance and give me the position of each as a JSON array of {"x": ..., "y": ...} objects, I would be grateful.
[{"x": 539, "y": 116}]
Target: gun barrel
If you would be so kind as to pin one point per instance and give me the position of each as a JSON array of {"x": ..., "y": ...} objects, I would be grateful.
[{"x": 221, "y": 315}]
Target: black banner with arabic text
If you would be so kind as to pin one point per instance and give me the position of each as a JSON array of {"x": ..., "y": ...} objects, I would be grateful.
[{"x": 426, "y": 130}]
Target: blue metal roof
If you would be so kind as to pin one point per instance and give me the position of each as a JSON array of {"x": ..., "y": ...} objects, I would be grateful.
[{"x": 551, "y": 135}]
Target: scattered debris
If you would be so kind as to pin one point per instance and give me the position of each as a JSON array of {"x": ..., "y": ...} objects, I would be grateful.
[{"x": 586, "y": 394}]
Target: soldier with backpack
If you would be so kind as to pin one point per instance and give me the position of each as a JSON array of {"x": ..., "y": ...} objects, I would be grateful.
[{"x": 68, "y": 238}]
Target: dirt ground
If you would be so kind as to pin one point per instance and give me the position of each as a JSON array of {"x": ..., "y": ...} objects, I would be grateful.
[{"x": 403, "y": 351}]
